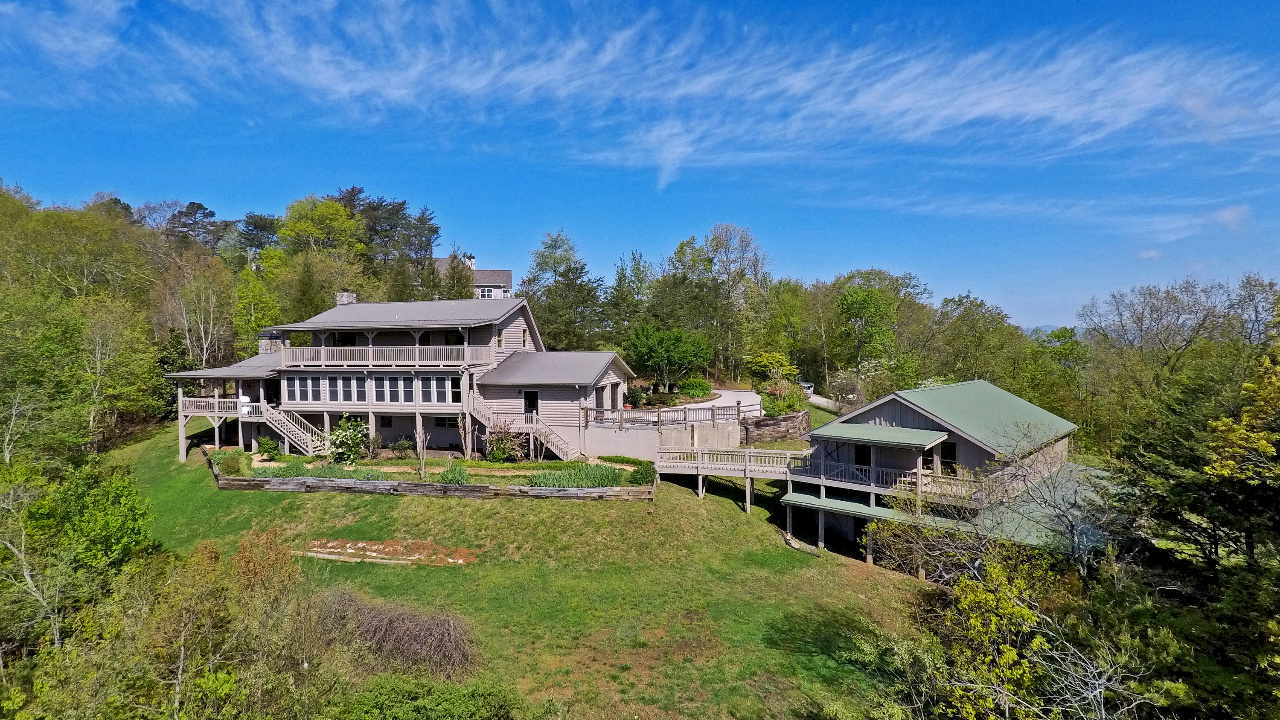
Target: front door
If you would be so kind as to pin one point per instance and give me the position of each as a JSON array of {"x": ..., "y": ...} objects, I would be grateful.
[{"x": 530, "y": 402}]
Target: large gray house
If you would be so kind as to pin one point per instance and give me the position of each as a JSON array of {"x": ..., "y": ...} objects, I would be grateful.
[{"x": 446, "y": 371}]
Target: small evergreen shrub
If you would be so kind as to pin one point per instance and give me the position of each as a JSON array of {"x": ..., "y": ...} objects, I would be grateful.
[
  {"x": 455, "y": 474},
  {"x": 644, "y": 474},
  {"x": 695, "y": 387},
  {"x": 230, "y": 465},
  {"x": 402, "y": 448},
  {"x": 269, "y": 448},
  {"x": 579, "y": 475},
  {"x": 635, "y": 396}
]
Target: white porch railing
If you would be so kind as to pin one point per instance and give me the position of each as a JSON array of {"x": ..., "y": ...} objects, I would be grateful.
[
  {"x": 402, "y": 356},
  {"x": 738, "y": 461},
  {"x": 948, "y": 486},
  {"x": 215, "y": 406},
  {"x": 671, "y": 417}
]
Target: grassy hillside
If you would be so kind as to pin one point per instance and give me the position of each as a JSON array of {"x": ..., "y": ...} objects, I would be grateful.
[{"x": 680, "y": 607}]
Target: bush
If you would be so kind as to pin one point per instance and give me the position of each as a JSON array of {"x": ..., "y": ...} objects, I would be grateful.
[
  {"x": 296, "y": 468},
  {"x": 579, "y": 475},
  {"x": 502, "y": 445},
  {"x": 770, "y": 366},
  {"x": 230, "y": 465},
  {"x": 781, "y": 398},
  {"x": 349, "y": 440},
  {"x": 635, "y": 396},
  {"x": 623, "y": 460},
  {"x": 644, "y": 474},
  {"x": 269, "y": 448},
  {"x": 399, "y": 697},
  {"x": 402, "y": 448},
  {"x": 406, "y": 635},
  {"x": 695, "y": 387},
  {"x": 455, "y": 474}
]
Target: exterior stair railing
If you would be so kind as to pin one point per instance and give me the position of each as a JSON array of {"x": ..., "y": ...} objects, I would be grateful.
[{"x": 309, "y": 438}]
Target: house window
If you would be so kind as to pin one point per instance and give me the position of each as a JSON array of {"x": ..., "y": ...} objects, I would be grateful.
[
  {"x": 408, "y": 388},
  {"x": 291, "y": 389},
  {"x": 393, "y": 389},
  {"x": 524, "y": 337},
  {"x": 333, "y": 388},
  {"x": 862, "y": 455},
  {"x": 379, "y": 389},
  {"x": 948, "y": 458},
  {"x": 446, "y": 422},
  {"x": 455, "y": 385},
  {"x": 360, "y": 394},
  {"x": 441, "y": 390},
  {"x": 486, "y": 293},
  {"x": 500, "y": 338},
  {"x": 506, "y": 292},
  {"x": 346, "y": 389},
  {"x": 386, "y": 421}
]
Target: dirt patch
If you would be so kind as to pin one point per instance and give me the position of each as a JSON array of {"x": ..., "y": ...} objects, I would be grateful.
[{"x": 399, "y": 552}]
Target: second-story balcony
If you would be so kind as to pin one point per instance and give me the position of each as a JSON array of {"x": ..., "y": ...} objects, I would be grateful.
[{"x": 426, "y": 356}]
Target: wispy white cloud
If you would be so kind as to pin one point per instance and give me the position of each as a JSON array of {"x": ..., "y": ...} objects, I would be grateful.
[
  {"x": 596, "y": 85},
  {"x": 1149, "y": 254}
]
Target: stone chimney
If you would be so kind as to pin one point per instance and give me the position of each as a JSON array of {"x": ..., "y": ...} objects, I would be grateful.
[
  {"x": 346, "y": 297},
  {"x": 269, "y": 342}
]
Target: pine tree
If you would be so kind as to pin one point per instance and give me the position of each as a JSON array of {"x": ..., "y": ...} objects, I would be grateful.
[
  {"x": 459, "y": 282},
  {"x": 400, "y": 281}
]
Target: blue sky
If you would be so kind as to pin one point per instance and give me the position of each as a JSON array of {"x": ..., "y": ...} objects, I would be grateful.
[{"x": 1035, "y": 154}]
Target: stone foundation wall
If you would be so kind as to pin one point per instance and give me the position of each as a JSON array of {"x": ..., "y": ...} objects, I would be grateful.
[{"x": 772, "y": 429}]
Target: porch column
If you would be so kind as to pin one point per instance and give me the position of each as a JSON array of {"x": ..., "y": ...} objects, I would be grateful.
[
  {"x": 217, "y": 425},
  {"x": 919, "y": 483},
  {"x": 866, "y": 531},
  {"x": 700, "y": 489},
  {"x": 875, "y": 464},
  {"x": 789, "y": 533},
  {"x": 182, "y": 428},
  {"x": 822, "y": 529},
  {"x": 418, "y": 445},
  {"x": 326, "y": 422}
]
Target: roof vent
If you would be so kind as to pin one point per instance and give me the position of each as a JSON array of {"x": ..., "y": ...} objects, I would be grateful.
[{"x": 346, "y": 297}]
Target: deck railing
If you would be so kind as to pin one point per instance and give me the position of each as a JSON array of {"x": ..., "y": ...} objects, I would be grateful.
[
  {"x": 735, "y": 460},
  {"x": 671, "y": 417},
  {"x": 933, "y": 484},
  {"x": 400, "y": 356},
  {"x": 215, "y": 406}
]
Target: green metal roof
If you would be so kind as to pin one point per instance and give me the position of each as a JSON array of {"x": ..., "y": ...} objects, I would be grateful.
[
  {"x": 998, "y": 419},
  {"x": 879, "y": 435}
]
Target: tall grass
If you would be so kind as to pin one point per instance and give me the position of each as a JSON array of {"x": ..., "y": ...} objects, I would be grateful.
[{"x": 579, "y": 475}]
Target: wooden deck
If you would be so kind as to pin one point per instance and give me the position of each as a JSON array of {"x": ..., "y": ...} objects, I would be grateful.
[{"x": 748, "y": 463}]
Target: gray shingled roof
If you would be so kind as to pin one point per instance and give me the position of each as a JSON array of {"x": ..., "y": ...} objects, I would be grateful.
[
  {"x": 552, "y": 368},
  {"x": 423, "y": 314},
  {"x": 482, "y": 277},
  {"x": 256, "y": 367}
]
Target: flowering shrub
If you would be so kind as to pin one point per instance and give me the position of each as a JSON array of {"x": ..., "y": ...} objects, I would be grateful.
[
  {"x": 349, "y": 439},
  {"x": 781, "y": 398}
]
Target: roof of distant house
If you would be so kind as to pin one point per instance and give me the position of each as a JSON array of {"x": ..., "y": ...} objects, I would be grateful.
[
  {"x": 497, "y": 278},
  {"x": 404, "y": 315},
  {"x": 253, "y": 368},
  {"x": 552, "y": 368}
]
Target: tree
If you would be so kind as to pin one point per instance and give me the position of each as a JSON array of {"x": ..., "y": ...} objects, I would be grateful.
[
  {"x": 564, "y": 297},
  {"x": 195, "y": 225},
  {"x": 669, "y": 355},
  {"x": 196, "y": 297},
  {"x": 256, "y": 308},
  {"x": 121, "y": 373},
  {"x": 625, "y": 302},
  {"x": 458, "y": 282},
  {"x": 400, "y": 285},
  {"x": 313, "y": 225},
  {"x": 869, "y": 315}
]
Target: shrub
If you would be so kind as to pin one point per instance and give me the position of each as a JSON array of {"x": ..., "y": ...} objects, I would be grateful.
[
  {"x": 402, "y": 448},
  {"x": 269, "y": 448},
  {"x": 399, "y": 697},
  {"x": 579, "y": 475},
  {"x": 502, "y": 445},
  {"x": 455, "y": 474},
  {"x": 409, "y": 636},
  {"x": 231, "y": 465},
  {"x": 695, "y": 387},
  {"x": 296, "y": 468},
  {"x": 635, "y": 396},
  {"x": 770, "y": 366},
  {"x": 349, "y": 440},
  {"x": 623, "y": 460},
  {"x": 781, "y": 398},
  {"x": 644, "y": 474}
]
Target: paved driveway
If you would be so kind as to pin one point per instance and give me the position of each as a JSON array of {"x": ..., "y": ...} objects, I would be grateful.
[{"x": 730, "y": 397}]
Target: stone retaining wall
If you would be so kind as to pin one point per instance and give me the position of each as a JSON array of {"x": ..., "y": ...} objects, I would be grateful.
[{"x": 772, "y": 429}]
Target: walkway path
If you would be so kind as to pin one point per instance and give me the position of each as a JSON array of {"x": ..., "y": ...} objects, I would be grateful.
[{"x": 729, "y": 398}]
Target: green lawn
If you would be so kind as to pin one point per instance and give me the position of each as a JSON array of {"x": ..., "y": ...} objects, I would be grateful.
[
  {"x": 819, "y": 416},
  {"x": 676, "y": 608}
]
